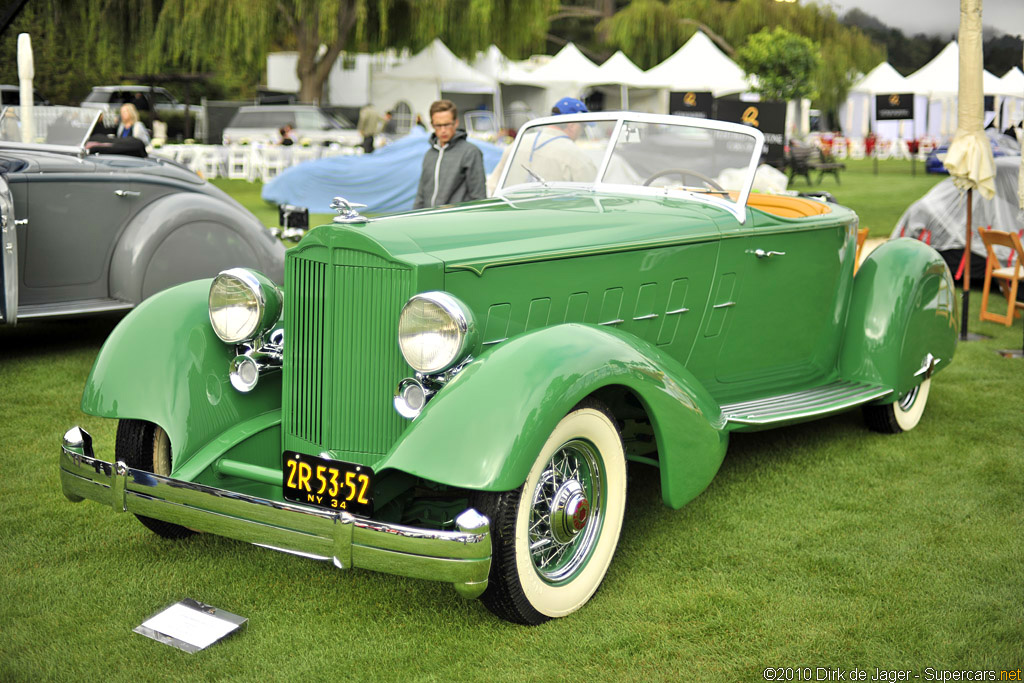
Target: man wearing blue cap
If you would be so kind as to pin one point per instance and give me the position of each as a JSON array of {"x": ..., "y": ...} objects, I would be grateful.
[{"x": 550, "y": 153}]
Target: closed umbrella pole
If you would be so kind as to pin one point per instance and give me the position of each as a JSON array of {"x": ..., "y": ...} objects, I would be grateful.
[
  {"x": 26, "y": 73},
  {"x": 969, "y": 160}
]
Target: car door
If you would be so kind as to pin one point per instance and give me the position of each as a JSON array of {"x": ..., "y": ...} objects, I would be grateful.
[
  {"x": 8, "y": 254},
  {"x": 73, "y": 215},
  {"x": 788, "y": 279}
]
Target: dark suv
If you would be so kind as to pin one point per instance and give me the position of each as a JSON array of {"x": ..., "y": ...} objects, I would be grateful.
[{"x": 152, "y": 103}]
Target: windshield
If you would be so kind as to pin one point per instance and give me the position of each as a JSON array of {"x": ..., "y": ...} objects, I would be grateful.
[
  {"x": 648, "y": 153},
  {"x": 66, "y": 126}
]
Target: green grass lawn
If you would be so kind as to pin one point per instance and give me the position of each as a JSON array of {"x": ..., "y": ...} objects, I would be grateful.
[
  {"x": 248, "y": 194},
  {"x": 817, "y": 545},
  {"x": 820, "y": 544}
]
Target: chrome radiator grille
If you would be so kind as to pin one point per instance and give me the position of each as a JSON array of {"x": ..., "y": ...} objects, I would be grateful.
[{"x": 341, "y": 352}]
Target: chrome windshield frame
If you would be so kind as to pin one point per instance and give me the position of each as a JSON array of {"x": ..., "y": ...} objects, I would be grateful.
[{"x": 737, "y": 208}]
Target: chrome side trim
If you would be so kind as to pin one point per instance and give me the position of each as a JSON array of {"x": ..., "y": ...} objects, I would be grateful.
[
  {"x": 649, "y": 316},
  {"x": 727, "y": 304},
  {"x": 799, "y": 405},
  {"x": 617, "y": 321},
  {"x": 461, "y": 557},
  {"x": 495, "y": 341},
  {"x": 678, "y": 311}
]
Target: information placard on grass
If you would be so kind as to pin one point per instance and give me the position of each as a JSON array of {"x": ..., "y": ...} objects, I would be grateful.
[{"x": 190, "y": 625}]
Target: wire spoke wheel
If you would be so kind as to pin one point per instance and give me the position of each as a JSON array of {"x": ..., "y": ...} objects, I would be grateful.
[
  {"x": 565, "y": 517},
  {"x": 553, "y": 539}
]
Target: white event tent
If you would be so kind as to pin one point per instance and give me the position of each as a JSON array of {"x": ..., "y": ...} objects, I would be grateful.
[
  {"x": 938, "y": 80},
  {"x": 699, "y": 66},
  {"x": 568, "y": 74},
  {"x": 515, "y": 86},
  {"x": 1012, "y": 110},
  {"x": 636, "y": 90},
  {"x": 432, "y": 74},
  {"x": 857, "y": 116}
]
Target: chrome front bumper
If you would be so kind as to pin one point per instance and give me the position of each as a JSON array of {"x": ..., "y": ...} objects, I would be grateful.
[{"x": 461, "y": 557}]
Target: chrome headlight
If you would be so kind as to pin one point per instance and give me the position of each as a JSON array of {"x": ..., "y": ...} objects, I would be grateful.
[
  {"x": 435, "y": 331},
  {"x": 244, "y": 304}
]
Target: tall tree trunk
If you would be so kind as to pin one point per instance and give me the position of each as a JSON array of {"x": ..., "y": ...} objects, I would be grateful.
[{"x": 313, "y": 72}]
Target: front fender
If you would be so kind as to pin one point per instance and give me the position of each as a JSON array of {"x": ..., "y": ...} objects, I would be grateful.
[
  {"x": 187, "y": 236},
  {"x": 903, "y": 308},
  {"x": 164, "y": 364},
  {"x": 484, "y": 429}
]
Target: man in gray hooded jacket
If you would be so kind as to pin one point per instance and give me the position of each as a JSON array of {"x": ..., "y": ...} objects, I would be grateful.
[{"x": 453, "y": 168}]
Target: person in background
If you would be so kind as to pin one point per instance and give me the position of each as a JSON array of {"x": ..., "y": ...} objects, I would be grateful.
[
  {"x": 453, "y": 168},
  {"x": 390, "y": 125},
  {"x": 130, "y": 126},
  {"x": 550, "y": 153},
  {"x": 419, "y": 122},
  {"x": 287, "y": 134},
  {"x": 368, "y": 125}
]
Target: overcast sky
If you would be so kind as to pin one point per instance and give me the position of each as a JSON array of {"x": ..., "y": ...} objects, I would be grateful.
[{"x": 931, "y": 16}]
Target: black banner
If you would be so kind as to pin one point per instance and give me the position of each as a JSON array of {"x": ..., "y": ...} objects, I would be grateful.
[
  {"x": 696, "y": 104},
  {"x": 894, "y": 107},
  {"x": 768, "y": 117}
]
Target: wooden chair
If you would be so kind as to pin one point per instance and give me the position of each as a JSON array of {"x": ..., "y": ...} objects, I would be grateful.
[
  {"x": 862, "y": 236},
  {"x": 1009, "y": 277}
]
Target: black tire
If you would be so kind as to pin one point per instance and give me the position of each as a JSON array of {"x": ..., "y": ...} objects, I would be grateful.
[
  {"x": 898, "y": 416},
  {"x": 553, "y": 538},
  {"x": 144, "y": 446}
]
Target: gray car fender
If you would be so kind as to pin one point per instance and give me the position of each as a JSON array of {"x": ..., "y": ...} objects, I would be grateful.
[{"x": 188, "y": 236}]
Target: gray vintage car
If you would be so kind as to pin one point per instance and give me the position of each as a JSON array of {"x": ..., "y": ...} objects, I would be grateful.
[{"x": 85, "y": 233}]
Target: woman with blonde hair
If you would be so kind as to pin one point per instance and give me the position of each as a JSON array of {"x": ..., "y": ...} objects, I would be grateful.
[{"x": 130, "y": 126}]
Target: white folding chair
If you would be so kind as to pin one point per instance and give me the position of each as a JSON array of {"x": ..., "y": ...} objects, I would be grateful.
[
  {"x": 239, "y": 163},
  {"x": 303, "y": 154},
  {"x": 839, "y": 150},
  {"x": 856, "y": 148},
  {"x": 270, "y": 163}
]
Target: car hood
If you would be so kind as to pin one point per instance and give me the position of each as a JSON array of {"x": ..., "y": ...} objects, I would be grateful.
[{"x": 551, "y": 224}]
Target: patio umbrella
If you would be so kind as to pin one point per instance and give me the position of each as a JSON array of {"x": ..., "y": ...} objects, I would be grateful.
[{"x": 969, "y": 160}]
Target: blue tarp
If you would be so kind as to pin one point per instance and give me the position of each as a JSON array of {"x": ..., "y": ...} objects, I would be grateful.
[{"x": 385, "y": 181}]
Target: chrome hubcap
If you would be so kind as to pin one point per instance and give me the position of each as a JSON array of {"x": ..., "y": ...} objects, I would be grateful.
[
  {"x": 569, "y": 512},
  {"x": 565, "y": 515}
]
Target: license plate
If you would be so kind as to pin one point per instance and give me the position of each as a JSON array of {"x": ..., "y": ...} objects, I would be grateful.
[{"x": 326, "y": 483}]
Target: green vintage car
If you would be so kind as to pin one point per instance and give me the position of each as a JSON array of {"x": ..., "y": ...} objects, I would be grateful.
[{"x": 454, "y": 394}]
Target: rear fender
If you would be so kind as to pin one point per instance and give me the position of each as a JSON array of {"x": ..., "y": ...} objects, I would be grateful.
[
  {"x": 164, "y": 364},
  {"x": 187, "y": 236},
  {"x": 903, "y": 308},
  {"x": 485, "y": 428}
]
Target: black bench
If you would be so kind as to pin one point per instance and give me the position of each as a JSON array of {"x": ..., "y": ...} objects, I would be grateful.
[{"x": 803, "y": 159}]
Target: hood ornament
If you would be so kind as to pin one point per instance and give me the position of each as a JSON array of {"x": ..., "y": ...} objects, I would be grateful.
[{"x": 347, "y": 212}]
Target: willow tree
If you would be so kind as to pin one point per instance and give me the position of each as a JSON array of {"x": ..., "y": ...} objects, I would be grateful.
[
  {"x": 220, "y": 32},
  {"x": 79, "y": 43}
]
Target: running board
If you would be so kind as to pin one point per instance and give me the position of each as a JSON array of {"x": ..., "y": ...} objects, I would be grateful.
[
  {"x": 65, "y": 308},
  {"x": 824, "y": 400}
]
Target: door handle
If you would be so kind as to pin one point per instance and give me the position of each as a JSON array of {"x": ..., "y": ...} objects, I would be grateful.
[
  {"x": 21, "y": 221},
  {"x": 127, "y": 193},
  {"x": 761, "y": 253}
]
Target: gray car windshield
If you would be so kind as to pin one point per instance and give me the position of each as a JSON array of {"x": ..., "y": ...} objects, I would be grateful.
[{"x": 64, "y": 126}]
